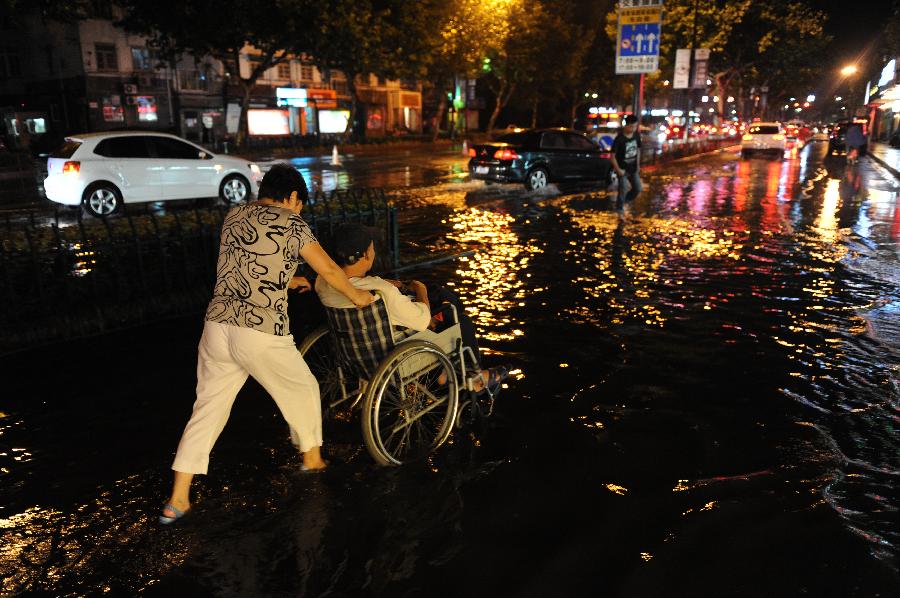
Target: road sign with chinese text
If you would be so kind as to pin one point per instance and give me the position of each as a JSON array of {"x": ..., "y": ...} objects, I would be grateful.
[{"x": 637, "y": 48}]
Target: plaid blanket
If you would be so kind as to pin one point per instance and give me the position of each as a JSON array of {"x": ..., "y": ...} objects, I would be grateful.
[{"x": 362, "y": 337}]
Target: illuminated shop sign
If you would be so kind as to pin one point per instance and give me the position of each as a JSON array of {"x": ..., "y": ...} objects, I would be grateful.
[
  {"x": 268, "y": 122},
  {"x": 291, "y": 96},
  {"x": 333, "y": 121}
]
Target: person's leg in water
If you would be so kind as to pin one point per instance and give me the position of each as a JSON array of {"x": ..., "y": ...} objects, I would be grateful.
[
  {"x": 620, "y": 194},
  {"x": 437, "y": 297},
  {"x": 634, "y": 179}
]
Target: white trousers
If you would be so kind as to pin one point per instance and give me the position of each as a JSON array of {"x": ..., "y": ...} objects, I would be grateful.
[{"x": 227, "y": 355}]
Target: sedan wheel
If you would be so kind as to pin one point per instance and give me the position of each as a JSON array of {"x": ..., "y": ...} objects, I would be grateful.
[
  {"x": 537, "y": 179},
  {"x": 235, "y": 190},
  {"x": 102, "y": 201}
]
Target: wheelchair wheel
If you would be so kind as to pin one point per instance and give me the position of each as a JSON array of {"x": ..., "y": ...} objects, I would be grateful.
[
  {"x": 317, "y": 351},
  {"x": 408, "y": 413}
]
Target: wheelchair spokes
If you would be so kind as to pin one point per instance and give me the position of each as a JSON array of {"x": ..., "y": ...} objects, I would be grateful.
[{"x": 411, "y": 404}]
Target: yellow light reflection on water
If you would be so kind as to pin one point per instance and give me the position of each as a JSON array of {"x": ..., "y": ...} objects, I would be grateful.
[
  {"x": 492, "y": 284},
  {"x": 627, "y": 262}
]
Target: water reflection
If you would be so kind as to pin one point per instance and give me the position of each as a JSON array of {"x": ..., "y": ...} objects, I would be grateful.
[{"x": 495, "y": 277}]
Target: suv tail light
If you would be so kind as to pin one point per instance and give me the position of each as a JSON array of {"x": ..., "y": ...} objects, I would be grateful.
[
  {"x": 72, "y": 167},
  {"x": 471, "y": 152},
  {"x": 506, "y": 154}
]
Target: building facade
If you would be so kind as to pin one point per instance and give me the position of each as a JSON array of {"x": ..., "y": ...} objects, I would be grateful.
[{"x": 58, "y": 79}]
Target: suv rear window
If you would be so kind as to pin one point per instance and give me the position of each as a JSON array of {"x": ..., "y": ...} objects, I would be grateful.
[
  {"x": 764, "y": 130},
  {"x": 67, "y": 150}
]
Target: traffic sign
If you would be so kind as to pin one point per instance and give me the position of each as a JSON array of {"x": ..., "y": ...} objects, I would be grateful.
[{"x": 637, "y": 47}]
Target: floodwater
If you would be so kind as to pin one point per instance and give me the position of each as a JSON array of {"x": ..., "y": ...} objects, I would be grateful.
[{"x": 706, "y": 404}]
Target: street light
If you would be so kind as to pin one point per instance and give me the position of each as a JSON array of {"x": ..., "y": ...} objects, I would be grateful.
[{"x": 848, "y": 70}]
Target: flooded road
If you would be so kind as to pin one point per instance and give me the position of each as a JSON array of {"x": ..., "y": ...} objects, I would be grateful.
[{"x": 707, "y": 405}]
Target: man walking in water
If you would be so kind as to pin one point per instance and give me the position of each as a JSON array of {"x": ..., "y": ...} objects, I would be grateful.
[{"x": 626, "y": 159}]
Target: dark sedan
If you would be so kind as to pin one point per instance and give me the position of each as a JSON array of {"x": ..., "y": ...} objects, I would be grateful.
[{"x": 539, "y": 157}]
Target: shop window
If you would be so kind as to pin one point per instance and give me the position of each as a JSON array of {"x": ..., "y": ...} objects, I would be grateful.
[
  {"x": 143, "y": 59},
  {"x": 306, "y": 72},
  {"x": 107, "y": 60},
  {"x": 36, "y": 126},
  {"x": 10, "y": 65},
  {"x": 192, "y": 81},
  {"x": 284, "y": 71},
  {"x": 113, "y": 112},
  {"x": 146, "y": 108}
]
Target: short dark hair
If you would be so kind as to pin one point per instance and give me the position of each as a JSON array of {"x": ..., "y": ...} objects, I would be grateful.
[
  {"x": 350, "y": 242},
  {"x": 280, "y": 181},
  {"x": 630, "y": 119}
]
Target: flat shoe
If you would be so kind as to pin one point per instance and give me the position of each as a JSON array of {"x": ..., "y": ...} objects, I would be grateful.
[
  {"x": 305, "y": 469},
  {"x": 166, "y": 520}
]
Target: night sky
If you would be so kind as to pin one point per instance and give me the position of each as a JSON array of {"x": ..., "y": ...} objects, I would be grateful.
[{"x": 853, "y": 24}]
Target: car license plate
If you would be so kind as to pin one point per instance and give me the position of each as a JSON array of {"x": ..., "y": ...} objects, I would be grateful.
[{"x": 482, "y": 169}]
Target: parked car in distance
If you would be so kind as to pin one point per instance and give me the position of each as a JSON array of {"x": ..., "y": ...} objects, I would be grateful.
[
  {"x": 101, "y": 171},
  {"x": 763, "y": 137},
  {"x": 539, "y": 157}
]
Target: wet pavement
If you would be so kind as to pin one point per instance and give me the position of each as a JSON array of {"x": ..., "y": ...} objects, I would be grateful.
[{"x": 707, "y": 406}]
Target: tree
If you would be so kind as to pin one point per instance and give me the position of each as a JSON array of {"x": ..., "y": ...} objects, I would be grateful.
[
  {"x": 387, "y": 38},
  {"x": 468, "y": 31},
  {"x": 751, "y": 42},
  {"x": 277, "y": 30}
]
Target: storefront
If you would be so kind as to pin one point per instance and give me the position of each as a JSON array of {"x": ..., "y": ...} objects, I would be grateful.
[{"x": 883, "y": 103}]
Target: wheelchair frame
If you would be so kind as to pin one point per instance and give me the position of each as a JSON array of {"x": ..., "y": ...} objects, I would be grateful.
[{"x": 412, "y": 358}]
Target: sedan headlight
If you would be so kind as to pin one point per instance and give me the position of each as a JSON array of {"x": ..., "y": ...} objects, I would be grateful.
[{"x": 254, "y": 168}]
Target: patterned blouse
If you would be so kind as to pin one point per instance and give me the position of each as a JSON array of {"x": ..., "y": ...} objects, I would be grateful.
[{"x": 258, "y": 254}]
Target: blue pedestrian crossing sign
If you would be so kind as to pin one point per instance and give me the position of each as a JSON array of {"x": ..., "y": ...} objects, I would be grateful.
[{"x": 637, "y": 50}]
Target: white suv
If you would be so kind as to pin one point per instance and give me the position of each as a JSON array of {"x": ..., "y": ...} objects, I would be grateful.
[
  {"x": 104, "y": 170},
  {"x": 763, "y": 137}
]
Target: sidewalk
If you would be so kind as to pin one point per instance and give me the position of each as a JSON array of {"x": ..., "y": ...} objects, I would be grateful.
[{"x": 887, "y": 156}]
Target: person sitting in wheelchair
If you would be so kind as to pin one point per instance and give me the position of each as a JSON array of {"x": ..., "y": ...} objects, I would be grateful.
[{"x": 353, "y": 249}]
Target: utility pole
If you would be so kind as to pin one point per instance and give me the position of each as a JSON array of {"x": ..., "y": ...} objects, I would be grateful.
[
  {"x": 688, "y": 123},
  {"x": 637, "y": 100}
]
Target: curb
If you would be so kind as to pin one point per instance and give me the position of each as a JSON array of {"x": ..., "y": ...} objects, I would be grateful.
[{"x": 887, "y": 167}]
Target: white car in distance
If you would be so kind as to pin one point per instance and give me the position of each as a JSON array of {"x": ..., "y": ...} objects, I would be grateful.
[
  {"x": 101, "y": 171},
  {"x": 767, "y": 138}
]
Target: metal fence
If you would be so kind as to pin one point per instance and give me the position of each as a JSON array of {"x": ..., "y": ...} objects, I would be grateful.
[
  {"x": 674, "y": 150},
  {"x": 60, "y": 280},
  {"x": 18, "y": 177}
]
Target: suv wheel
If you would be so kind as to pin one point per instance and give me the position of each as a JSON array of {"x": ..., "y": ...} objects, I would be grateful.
[
  {"x": 234, "y": 189},
  {"x": 102, "y": 199},
  {"x": 536, "y": 179}
]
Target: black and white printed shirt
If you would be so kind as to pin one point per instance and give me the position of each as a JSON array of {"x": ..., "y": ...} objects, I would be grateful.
[{"x": 258, "y": 255}]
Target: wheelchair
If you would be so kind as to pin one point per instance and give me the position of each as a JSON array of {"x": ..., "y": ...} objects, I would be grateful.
[{"x": 406, "y": 389}]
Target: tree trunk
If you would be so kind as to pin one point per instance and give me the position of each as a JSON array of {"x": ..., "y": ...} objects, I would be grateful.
[
  {"x": 722, "y": 93},
  {"x": 573, "y": 111},
  {"x": 354, "y": 107},
  {"x": 439, "y": 117},
  {"x": 498, "y": 105},
  {"x": 243, "y": 132},
  {"x": 534, "y": 113}
]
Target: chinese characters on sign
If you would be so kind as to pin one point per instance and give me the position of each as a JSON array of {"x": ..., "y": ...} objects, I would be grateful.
[{"x": 637, "y": 48}]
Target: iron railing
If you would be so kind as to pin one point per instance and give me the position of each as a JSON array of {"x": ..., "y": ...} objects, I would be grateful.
[{"x": 66, "y": 276}]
